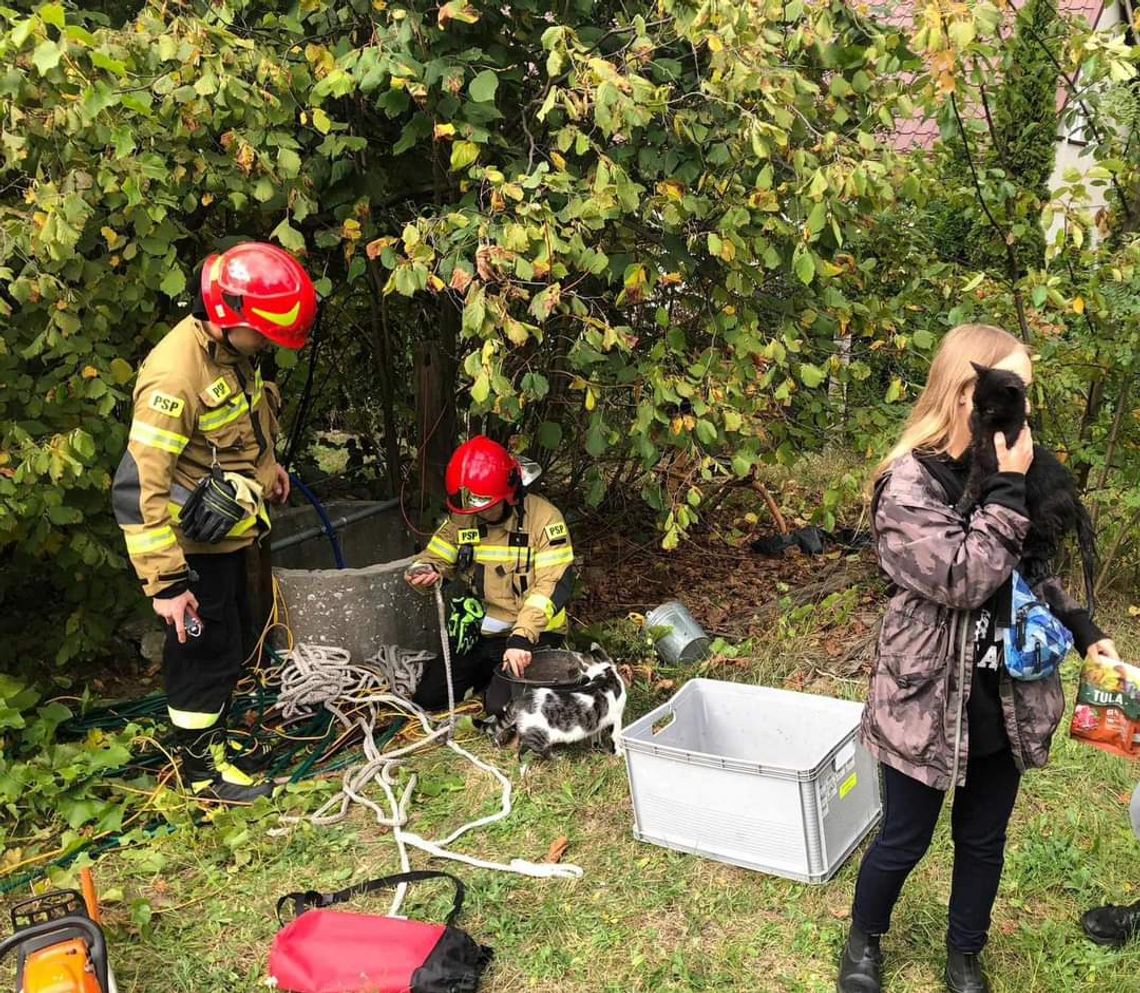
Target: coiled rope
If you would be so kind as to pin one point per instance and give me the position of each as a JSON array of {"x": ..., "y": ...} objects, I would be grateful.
[{"x": 318, "y": 676}]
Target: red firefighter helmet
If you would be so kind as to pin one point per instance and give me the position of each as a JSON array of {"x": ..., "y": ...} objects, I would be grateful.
[
  {"x": 481, "y": 475},
  {"x": 263, "y": 287}
]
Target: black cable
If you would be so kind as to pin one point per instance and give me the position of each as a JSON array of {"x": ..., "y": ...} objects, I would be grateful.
[{"x": 306, "y": 395}]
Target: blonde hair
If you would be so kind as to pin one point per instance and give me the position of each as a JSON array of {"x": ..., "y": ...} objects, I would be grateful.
[{"x": 929, "y": 425}]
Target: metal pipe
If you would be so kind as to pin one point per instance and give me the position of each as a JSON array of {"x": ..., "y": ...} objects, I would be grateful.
[{"x": 336, "y": 523}]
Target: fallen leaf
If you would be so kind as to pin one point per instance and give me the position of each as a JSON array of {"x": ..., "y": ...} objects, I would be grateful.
[{"x": 558, "y": 849}]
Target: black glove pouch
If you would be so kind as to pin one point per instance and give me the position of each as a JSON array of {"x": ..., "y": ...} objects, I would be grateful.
[{"x": 211, "y": 511}]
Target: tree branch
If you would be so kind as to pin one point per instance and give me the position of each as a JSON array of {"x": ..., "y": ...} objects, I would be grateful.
[{"x": 1011, "y": 258}]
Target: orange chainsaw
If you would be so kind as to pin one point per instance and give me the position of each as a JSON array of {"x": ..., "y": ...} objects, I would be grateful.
[{"x": 59, "y": 944}]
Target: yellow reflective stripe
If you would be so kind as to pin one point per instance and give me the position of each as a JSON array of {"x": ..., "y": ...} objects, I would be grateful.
[
  {"x": 226, "y": 415},
  {"x": 498, "y": 553},
  {"x": 443, "y": 548},
  {"x": 228, "y": 772},
  {"x": 242, "y": 526},
  {"x": 284, "y": 319},
  {"x": 154, "y": 437},
  {"x": 541, "y": 602},
  {"x": 192, "y": 720},
  {"x": 558, "y": 621},
  {"x": 553, "y": 557},
  {"x": 142, "y": 542}
]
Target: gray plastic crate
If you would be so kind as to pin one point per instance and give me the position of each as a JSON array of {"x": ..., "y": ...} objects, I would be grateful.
[{"x": 761, "y": 778}]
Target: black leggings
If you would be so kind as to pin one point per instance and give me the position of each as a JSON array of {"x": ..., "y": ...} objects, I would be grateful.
[{"x": 910, "y": 812}]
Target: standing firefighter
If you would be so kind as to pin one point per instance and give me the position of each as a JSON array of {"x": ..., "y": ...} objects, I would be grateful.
[
  {"x": 513, "y": 549},
  {"x": 190, "y": 492}
]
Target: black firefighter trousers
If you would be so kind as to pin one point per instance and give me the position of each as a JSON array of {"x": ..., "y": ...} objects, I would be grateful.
[{"x": 201, "y": 674}]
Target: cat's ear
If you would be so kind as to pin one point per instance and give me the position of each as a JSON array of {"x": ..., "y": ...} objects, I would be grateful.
[{"x": 979, "y": 369}]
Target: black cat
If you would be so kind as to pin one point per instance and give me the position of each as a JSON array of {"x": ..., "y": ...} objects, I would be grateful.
[{"x": 1055, "y": 508}]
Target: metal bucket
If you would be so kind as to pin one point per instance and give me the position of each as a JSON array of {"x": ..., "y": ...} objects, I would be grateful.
[{"x": 685, "y": 640}]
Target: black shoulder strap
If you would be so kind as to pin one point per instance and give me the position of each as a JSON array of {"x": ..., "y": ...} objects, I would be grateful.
[{"x": 311, "y": 898}]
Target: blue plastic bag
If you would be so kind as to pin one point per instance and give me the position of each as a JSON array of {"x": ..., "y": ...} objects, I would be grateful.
[{"x": 1035, "y": 642}]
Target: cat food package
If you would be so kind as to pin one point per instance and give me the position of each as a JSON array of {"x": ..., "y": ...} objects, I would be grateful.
[{"x": 1107, "y": 714}]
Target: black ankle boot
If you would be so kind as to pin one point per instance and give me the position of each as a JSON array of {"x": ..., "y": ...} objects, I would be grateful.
[
  {"x": 207, "y": 773},
  {"x": 1113, "y": 926},
  {"x": 964, "y": 972},
  {"x": 861, "y": 965}
]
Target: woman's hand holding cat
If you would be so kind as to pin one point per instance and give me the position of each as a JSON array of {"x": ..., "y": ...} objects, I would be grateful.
[
  {"x": 1103, "y": 650},
  {"x": 1018, "y": 458}
]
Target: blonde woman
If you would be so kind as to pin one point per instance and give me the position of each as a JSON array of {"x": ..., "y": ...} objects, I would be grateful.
[{"x": 942, "y": 714}]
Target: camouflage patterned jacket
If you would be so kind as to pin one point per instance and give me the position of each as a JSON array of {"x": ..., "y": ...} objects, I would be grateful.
[{"x": 944, "y": 568}]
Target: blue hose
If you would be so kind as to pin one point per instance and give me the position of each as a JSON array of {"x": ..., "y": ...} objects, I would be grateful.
[{"x": 330, "y": 531}]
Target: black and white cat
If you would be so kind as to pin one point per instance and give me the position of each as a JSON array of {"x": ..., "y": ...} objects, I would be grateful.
[
  {"x": 544, "y": 717},
  {"x": 1051, "y": 498}
]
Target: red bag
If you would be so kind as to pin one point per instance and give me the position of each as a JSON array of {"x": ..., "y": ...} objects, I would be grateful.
[{"x": 331, "y": 951}]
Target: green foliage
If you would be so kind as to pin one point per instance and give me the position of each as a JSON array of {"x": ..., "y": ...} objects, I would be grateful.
[
  {"x": 1025, "y": 117},
  {"x": 1007, "y": 137},
  {"x": 635, "y": 248},
  {"x": 666, "y": 250},
  {"x": 655, "y": 245},
  {"x": 1074, "y": 304},
  {"x": 51, "y": 789}
]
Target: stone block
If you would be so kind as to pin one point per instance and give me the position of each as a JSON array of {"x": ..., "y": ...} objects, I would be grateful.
[{"x": 359, "y": 609}]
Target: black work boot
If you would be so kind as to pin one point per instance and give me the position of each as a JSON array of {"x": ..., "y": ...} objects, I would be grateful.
[
  {"x": 208, "y": 773},
  {"x": 861, "y": 965},
  {"x": 242, "y": 749},
  {"x": 250, "y": 756},
  {"x": 1111, "y": 925},
  {"x": 964, "y": 972}
]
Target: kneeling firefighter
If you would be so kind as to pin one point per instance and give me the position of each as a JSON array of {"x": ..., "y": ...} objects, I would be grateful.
[
  {"x": 190, "y": 493},
  {"x": 513, "y": 550}
]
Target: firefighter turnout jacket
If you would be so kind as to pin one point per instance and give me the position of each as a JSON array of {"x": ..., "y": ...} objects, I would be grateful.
[
  {"x": 519, "y": 568},
  {"x": 195, "y": 401}
]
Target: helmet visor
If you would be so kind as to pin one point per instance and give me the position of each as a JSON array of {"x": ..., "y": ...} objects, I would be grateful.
[
  {"x": 466, "y": 502},
  {"x": 472, "y": 501}
]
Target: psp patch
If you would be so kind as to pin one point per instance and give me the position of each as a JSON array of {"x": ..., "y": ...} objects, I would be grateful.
[
  {"x": 556, "y": 532},
  {"x": 468, "y": 536},
  {"x": 164, "y": 403},
  {"x": 219, "y": 389}
]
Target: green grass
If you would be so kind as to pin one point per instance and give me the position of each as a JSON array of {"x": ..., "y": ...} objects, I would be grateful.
[{"x": 642, "y": 918}]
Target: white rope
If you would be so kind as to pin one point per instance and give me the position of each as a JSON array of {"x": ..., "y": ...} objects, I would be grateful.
[
  {"x": 445, "y": 644},
  {"x": 318, "y": 676}
]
